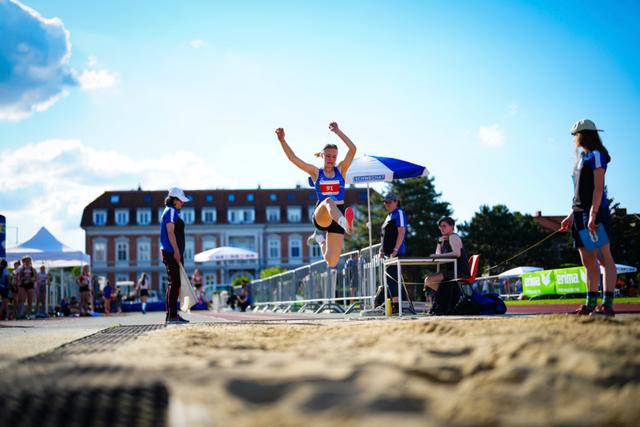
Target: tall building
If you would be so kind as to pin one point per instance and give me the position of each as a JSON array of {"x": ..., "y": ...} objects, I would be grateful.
[{"x": 122, "y": 232}]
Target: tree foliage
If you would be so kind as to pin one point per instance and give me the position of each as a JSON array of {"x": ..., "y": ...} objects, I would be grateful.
[
  {"x": 421, "y": 203},
  {"x": 271, "y": 271},
  {"x": 497, "y": 234}
]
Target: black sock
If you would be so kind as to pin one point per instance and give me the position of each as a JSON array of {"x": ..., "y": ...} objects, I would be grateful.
[
  {"x": 592, "y": 300},
  {"x": 607, "y": 300}
]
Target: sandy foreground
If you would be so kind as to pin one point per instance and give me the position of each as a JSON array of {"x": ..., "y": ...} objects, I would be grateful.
[{"x": 545, "y": 370}]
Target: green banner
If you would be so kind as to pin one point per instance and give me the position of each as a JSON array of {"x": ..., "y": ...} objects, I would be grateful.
[
  {"x": 538, "y": 283},
  {"x": 560, "y": 281},
  {"x": 571, "y": 280}
]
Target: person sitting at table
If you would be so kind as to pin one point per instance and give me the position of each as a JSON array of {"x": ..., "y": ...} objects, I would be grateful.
[{"x": 447, "y": 290}]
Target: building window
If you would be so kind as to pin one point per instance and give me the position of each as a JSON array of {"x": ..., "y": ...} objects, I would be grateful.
[
  {"x": 189, "y": 249},
  {"x": 274, "y": 247},
  {"x": 144, "y": 250},
  {"x": 273, "y": 197},
  {"x": 143, "y": 216},
  {"x": 295, "y": 249},
  {"x": 147, "y": 198},
  {"x": 273, "y": 213},
  {"x": 231, "y": 197},
  {"x": 164, "y": 282},
  {"x": 209, "y": 279},
  {"x": 311, "y": 196},
  {"x": 209, "y": 215},
  {"x": 241, "y": 215},
  {"x": 291, "y": 197},
  {"x": 294, "y": 214},
  {"x": 362, "y": 195},
  {"x": 250, "y": 197},
  {"x": 122, "y": 251},
  {"x": 188, "y": 215},
  {"x": 100, "y": 251},
  {"x": 316, "y": 251},
  {"x": 122, "y": 216},
  {"x": 209, "y": 198},
  {"x": 122, "y": 278},
  {"x": 244, "y": 242},
  {"x": 311, "y": 211},
  {"x": 99, "y": 217},
  {"x": 114, "y": 199},
  {"x": 208, "y": 242}
]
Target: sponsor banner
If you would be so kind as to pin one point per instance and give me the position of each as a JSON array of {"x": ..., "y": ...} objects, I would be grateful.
[
  {"x": 560, "y": 281},
  {"x": 538, "y": 283},
  {"x": 571, "y": 280},
  {"x": 3, "y": 237},
  {"x": 368, "y": 178}
]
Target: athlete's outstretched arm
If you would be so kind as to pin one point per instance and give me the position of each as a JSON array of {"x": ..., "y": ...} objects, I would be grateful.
[
  {"x": 308, "y": 168},
  {"x": 344, "y": 165}
]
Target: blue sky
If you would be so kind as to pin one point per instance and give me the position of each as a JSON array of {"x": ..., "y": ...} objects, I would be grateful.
[{"x": 189, "y": 93}]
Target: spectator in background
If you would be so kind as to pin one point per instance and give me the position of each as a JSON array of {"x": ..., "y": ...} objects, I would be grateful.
[
  {"x": 243, "y": 297},
  {"x": 27, "y": 285},
  {"x": 5, "y": 290},
  {"x": 74, "y": 308},
  {"x": 106, "y": 298},
  {"x": 84, "y": 286},
  {"x": 196, "y": 281},
  {"x": 42, "y": 284},
  {"x": 15, "y": 287},
  {"x": 142, "y": 287}
]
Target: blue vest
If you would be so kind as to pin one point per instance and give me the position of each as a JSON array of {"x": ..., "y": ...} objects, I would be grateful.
[{"x": 330, "y": 188}]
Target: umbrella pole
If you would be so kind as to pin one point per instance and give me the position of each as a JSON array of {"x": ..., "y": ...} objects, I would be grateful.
[{"x": 372, "y": 280}]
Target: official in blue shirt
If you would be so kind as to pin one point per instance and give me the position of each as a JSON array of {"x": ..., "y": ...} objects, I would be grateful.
[
  {"x": 590, "y": 211},
  {"x": 392, "y": 236},
  {"x": 172, "y": 243}
]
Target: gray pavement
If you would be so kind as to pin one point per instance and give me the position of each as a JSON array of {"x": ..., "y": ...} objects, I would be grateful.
[{"x": 25, "y": 338}]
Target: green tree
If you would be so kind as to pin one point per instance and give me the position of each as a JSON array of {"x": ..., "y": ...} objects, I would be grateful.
[
  {"x": 240, "y": 280},
  {"x": 422, "y": 205},
  {"x": 497, "y": 234},
  {"x": 271, "y": 271}
]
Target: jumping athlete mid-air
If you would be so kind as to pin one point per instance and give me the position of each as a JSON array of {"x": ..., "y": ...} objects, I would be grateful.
[{"x": 330, "y": 214}]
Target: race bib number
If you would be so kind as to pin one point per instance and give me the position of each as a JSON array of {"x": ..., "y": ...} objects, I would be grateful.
[{"x": 330, "y": 188}]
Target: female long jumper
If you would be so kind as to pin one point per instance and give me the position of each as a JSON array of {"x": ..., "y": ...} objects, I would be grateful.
[{"x": 330, "y": 214}]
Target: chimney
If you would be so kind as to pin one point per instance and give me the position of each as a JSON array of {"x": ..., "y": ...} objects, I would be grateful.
[{"x": 538, "y": 213}]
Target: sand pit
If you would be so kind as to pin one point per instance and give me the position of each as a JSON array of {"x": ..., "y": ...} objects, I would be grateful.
[{"x": 546, "y": 371}]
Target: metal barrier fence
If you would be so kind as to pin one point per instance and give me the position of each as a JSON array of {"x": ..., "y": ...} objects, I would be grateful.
[{"x": 317, "y": 288}]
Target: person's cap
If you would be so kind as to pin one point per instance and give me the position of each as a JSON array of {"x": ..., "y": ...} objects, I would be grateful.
[
  {"x": 390, "y": 197},
  {"x": 178, "y": 194},
  {"x": 584, "y": 124}
]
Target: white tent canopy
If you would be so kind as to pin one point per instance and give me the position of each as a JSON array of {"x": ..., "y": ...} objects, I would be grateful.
[
  {"x": 225, "y": 253},
  {"x": 621, "y": 269},
  {"x": 517, "y": 272},
  {"x": 44, "y": 248}
]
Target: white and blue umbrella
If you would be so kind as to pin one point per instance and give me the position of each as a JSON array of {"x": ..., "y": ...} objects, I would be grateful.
[{"x": 368, "y": 169}]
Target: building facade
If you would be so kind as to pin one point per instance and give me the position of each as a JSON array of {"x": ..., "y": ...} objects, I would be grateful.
[{"x": 122, "y": 231}]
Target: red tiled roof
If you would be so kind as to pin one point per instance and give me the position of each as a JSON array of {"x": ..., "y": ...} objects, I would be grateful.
[{"x": 218, "y": 199}]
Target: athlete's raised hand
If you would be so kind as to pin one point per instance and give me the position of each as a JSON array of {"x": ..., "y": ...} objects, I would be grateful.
[
  {"x": 333, "y": 127},
  {"x": 280, "y": 134}
]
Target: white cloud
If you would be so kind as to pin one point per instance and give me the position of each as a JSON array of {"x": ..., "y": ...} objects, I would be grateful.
[
  {"x": 92, "y": 61},
  {"x": 35, "y": 53},
  {"x": 512, "y": 110},
  {"x": 197, "y": 43},
  {"x": 50, "y": 183},
  {"x": 491, "y": 136},
  {"x": 98, "y": 79}
]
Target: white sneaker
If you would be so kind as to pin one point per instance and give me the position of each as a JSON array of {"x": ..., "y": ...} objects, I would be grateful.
[{"x": 315, "y": 238}]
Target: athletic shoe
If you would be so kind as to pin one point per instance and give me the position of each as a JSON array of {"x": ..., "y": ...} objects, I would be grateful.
[
  {"x": 583, "y": 310},
  {"x": 315, "y": 238},
  {"x": 349, "y": 215},
  {"x": 602, "y": 311},
  {"x": 177, "y": 321}
]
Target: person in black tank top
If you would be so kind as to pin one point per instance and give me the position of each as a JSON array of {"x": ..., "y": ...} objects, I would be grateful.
[
  {"x": 27, "y": 282},
  {"x": 328, "y": 215},
  {"x": 449, "y": 246}
]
